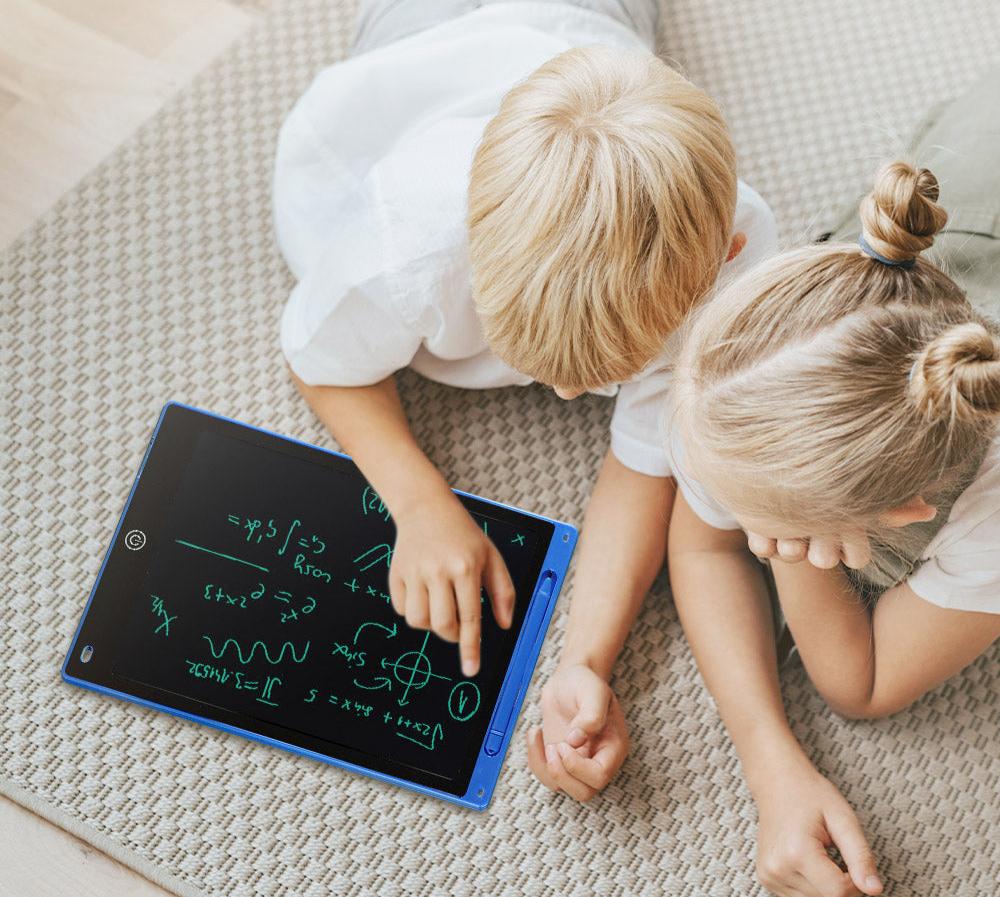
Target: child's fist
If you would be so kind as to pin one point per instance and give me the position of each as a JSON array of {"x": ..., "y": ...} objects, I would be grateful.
[
  {"x": 799, "y": 818},
  {"x": 583, "y": 740}
]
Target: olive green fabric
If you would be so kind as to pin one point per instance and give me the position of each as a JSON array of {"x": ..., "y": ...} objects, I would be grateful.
[{"x": 958, "y": 140}]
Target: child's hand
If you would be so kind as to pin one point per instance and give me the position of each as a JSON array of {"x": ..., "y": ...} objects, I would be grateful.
[
  {"x": 798, "y": 820},
  {"x": 821, "y": 551},
  {"x": 440, "y": 562},
  {"x": 583, "y": 740}
]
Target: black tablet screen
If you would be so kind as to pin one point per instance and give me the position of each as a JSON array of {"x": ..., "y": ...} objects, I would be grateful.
[{"x": 267, "y": 595}]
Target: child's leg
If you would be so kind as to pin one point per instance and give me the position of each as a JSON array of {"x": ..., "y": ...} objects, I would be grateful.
[
  {"x": 380, "y": 22},
  {"x": 960, "y": 142},
  {"x": 384, "y": 21},
  {"x": 642, "y": 16}
]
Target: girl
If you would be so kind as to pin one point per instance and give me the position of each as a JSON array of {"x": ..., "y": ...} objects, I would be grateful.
[{"x": 847, "y": 391}]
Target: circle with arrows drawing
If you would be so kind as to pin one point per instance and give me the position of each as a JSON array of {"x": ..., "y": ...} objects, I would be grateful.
[{"x": 412, "y": 670}]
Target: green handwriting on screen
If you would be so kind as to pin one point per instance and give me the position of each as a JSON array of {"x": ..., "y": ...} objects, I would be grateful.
[{"x": 271, "y": 599}]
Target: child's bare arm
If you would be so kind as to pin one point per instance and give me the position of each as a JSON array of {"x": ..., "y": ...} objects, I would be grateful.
[
  {"x": 623, "y": 544},
  {"x": 622, "y": 547},
  {"x": 873, "y": 664},
  {"x": 724, "y": 608},
  {"x": 441, "y": 558}
]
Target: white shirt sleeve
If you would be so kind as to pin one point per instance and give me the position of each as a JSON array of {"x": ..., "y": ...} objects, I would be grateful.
[
  {"x": 965, "y": 576},
  {"x": 706, "y": 507},
  {"x": 755, "y": 219},
  {"x": 638, "y": 439},
  {"x": 962, "y": 566},
  {"x": 695, "y": 494},
  {"x": 340, "y": 325}
]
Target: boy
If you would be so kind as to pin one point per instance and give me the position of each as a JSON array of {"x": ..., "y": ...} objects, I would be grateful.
[{"x": 483, "y": 195}]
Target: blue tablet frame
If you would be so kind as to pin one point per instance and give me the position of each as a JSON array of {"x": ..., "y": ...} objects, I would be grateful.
[{"x": 493, "y": 750}]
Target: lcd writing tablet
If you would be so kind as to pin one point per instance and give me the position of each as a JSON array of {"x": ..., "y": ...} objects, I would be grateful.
[{"x": 246, "y": 587}]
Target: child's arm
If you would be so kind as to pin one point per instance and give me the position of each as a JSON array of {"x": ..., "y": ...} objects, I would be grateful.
[
  {"x": 622, "y": 546},
  {"x": 873, "y": 664},
  {"x": 723, "y": 605},
  {"x": 441, "y": 557},
  {"x": 623, "y": 543}
]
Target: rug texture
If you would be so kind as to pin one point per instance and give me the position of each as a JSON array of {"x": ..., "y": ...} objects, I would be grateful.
[{"x": 158, "y": 278}]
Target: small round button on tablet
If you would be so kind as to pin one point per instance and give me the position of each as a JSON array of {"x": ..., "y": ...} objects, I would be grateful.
[{"x": 135, "y": 539}]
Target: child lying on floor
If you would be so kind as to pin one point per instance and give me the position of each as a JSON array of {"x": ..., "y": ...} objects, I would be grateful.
[
  {"x": 850, "y": 391},
  {"x": 481, "y": 193}
]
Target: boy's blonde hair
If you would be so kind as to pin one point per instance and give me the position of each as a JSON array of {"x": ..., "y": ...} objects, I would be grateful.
[
  {"x": 824, "y": 387},
  {"x": 601, "y": 204}
]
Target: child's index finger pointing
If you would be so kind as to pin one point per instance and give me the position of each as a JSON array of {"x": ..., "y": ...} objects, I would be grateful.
[{"x": 468, "y": 642}]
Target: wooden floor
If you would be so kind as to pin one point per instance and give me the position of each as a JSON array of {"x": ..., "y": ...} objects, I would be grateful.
[
  {"x": 40, "y": 860},
  {"x": 76, "y": 78}
]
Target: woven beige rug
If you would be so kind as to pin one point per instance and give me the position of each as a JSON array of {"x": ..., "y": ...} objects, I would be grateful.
[{"x": 158, "y": 278}]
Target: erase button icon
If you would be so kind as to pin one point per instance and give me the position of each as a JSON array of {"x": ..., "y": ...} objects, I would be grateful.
[{"x": 135, "y": 539}]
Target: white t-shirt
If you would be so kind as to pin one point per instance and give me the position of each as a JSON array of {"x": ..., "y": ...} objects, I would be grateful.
[
  {"x": 960, "y": 566},
  {"x": 370, "y": 204}
]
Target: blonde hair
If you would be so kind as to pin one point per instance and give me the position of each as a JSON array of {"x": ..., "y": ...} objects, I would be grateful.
[
  {"x": 601, "y": 203},
  {"x": 824, "y": 387}
]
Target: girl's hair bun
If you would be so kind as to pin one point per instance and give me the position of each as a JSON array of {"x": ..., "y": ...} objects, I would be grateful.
[
  {"x": 957, "y": 376},
  {"x": 901, "y": 216}
]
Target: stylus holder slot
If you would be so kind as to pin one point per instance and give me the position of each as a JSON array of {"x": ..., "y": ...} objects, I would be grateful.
[{"x": 500, "y": 724}]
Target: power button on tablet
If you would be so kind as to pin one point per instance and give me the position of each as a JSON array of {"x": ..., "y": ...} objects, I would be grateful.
[{"x": 135, "y": 539}]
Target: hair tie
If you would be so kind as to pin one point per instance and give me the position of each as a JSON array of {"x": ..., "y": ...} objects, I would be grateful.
[{"x": 892, "y": 263}]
